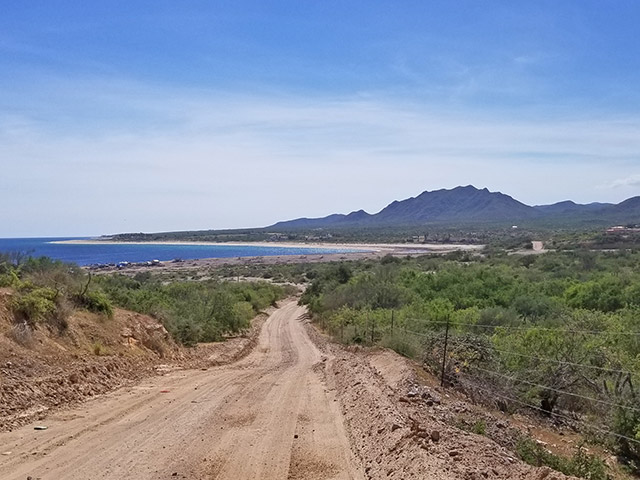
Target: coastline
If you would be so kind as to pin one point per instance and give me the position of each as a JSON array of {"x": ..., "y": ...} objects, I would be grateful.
[{"x": 341, "y": 247}]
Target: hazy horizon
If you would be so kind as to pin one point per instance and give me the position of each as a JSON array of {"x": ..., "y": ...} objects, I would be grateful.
[{"x": 121, "y": 118}]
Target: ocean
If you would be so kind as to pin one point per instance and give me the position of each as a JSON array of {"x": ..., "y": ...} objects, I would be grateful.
[{"x": 90, "y": 254}]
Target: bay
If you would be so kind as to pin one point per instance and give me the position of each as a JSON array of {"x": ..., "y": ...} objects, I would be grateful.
[{"x": 97, "y": 253}]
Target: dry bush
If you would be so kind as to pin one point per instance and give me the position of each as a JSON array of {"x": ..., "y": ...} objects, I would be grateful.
[
  {"x": 156, "y": 343},
  {"x": 22, "y": 334}
]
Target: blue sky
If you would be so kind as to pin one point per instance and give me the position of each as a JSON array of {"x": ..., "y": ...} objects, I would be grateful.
[{"x": 148, "y": 116}]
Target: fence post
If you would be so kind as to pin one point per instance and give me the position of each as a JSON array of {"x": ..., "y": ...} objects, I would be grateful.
[
  {"x": 373, "y": 328},
  {"x": 391, "y": 322},
  {"x": 444, "y": 353}
]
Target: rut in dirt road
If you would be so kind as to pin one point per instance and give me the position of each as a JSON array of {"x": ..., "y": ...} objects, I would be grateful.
[{"x": 268, "y": 416}]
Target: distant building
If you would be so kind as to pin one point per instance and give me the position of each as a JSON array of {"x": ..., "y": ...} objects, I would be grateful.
[{"x": 623, "y": 229}]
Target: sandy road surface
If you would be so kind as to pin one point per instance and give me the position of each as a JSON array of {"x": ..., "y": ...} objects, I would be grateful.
[{"x": 269, "y": 416}]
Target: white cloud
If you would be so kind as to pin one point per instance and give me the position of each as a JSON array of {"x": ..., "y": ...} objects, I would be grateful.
[
  {"x": 630, "y": 181},
  {"x": 106, "y": 156}
]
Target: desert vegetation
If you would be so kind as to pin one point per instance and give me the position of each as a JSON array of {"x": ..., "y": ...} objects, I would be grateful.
[
  {"x": 193, "y": 312},
  {"x": 46, "y": 292}
]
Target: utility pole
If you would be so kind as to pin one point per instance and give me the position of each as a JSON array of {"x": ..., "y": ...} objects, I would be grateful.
[{"x": 444, "y": 353}]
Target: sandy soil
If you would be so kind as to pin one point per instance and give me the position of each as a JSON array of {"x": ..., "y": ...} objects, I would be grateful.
[{"x": 268, "y": 416}]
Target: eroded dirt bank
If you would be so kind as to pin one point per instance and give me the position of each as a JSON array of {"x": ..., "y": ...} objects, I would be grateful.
[{"x": 43, "y": 371}]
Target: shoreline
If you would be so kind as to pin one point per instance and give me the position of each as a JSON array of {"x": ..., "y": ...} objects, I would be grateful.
[{"x": 338, "y": 247}]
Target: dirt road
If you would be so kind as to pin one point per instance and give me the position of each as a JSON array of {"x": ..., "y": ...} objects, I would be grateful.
[{"x": 268, "y": 416}]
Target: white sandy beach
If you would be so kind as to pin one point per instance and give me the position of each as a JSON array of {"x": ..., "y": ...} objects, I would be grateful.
[{"x": 375, "y": 247}]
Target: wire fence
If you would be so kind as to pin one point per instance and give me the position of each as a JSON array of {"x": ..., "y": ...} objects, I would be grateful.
[
  {"x": 553, "y": 414},
  {"x": 460, "y": 343}
]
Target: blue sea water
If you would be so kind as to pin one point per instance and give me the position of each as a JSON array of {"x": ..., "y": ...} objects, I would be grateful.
[{"x": 113, "y": 253}]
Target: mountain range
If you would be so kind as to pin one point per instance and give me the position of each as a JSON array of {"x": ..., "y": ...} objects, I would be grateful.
[{"x": 469, "y": 205}]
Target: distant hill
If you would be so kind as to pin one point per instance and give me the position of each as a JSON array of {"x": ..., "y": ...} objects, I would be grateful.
[
  {"x": 570, "y": 207},
  {"x": 469, "y": 205}
]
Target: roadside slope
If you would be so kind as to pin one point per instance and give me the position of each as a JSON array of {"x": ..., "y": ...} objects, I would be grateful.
[{"x": 402, "y": 429}]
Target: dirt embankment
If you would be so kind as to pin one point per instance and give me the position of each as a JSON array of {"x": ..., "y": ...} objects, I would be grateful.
[
  {"x": 44, "y": 370},
  {"x": 403, "y": 428}
]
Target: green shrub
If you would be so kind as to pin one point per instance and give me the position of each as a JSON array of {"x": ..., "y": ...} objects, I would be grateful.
[
  {"x": 243, "y": 312},
  {"x": 581, "y": 464},
  {"x": 479, "y": 428},
  {"x": 35, "y": 306},
  {"x": 626, "y": 422},
  {"x": 192, "y": 312},
  {"x": 96, "y": 301},
  {"x": 402, "y": 344}
]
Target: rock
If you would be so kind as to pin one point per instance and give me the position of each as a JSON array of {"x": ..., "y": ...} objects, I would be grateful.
[
  {"x": 395, "y": 427},
  {"x": 454, "y": 453},
  {"x": 126, "y": 332},
  {"x": 544, "y": 473},
  {"x": 611, "y": 461},
  {"x": 435, "y": 436}
]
